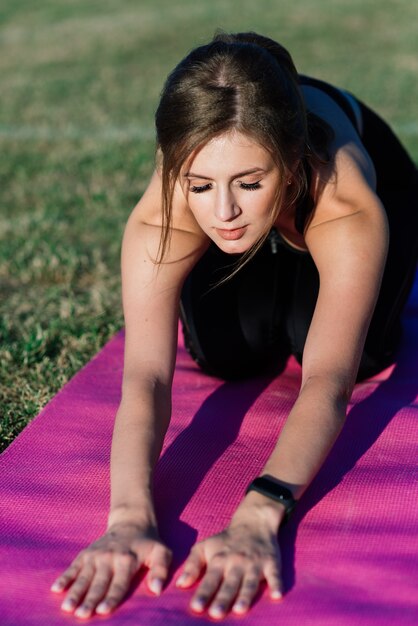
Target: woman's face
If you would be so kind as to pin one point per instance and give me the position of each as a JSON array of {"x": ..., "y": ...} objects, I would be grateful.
[{"x": 231, "y": 186}]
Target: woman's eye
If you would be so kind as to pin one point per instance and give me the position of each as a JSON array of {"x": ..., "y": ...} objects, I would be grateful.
[
  {"x": 250, "y": 186},
  {"x": 201, "y": 189}
]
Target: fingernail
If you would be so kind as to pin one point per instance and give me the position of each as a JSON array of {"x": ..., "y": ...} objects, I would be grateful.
[
  {"x": 103, "y": 607},
  {"x": 82, "y": 611},
  {"x": 197, "y": 605},
  {"x": 181, "y": 580},
  {"x": 276, "y": 594},
  {"x": 57, "y": 586},
  {"x": 239, "y": 607},
  {"x": 216, "y": 611},
  {"x": 156, "y": 585},
  {"x": 68, "y": 605}
]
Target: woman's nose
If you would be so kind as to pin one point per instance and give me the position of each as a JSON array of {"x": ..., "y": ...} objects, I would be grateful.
[{"x": 226, "y": 207}]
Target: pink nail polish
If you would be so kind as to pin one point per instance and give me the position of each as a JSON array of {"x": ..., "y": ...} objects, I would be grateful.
[
  {"x": 181, "y": 580},
  {"x": 156, "y": 585},
  {"x": 103, "y": 607}
]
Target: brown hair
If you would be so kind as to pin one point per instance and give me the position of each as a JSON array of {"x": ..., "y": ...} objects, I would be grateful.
[{"x": 244, "y": 82}]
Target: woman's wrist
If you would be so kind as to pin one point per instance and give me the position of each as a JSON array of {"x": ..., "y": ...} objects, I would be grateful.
[
  {"x": 142, "y": 514},
  {"x": 258, "y": 509}
]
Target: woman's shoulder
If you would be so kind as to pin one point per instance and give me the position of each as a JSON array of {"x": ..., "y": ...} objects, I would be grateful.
[
  {"x": 149, "y": 259},
  {"x": 339, "y": 185},
  {"x": 344, "y": 187}
]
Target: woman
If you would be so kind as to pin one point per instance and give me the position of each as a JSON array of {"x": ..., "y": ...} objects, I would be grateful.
[{"x": 266, "y": 225}]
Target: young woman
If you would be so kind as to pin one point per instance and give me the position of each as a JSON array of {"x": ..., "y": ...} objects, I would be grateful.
[{"x": 281, "y": 218}]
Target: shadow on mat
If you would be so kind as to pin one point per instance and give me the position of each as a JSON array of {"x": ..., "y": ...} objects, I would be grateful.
[
  {"x": 216, "y": 426},
  {"x": 213, "y": 429},
  {"x": 365, "y": 422}
]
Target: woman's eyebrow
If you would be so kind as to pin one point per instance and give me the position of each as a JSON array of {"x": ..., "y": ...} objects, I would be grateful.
[{"x": 251, "y": 171}]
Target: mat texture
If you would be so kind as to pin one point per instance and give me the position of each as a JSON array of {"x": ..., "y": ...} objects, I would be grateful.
[{"x": 350, "y": 552}]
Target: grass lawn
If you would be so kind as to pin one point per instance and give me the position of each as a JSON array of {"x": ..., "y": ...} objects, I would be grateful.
[{"x": 80, "y": 83}]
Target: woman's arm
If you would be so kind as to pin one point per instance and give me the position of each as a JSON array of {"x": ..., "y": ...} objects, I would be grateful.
[
  {"x": 151, "y": 295},
  {"x": 348, "y": 241},
  {"x": 350, "y": 253},
  {"x": 102, "y": 572}
]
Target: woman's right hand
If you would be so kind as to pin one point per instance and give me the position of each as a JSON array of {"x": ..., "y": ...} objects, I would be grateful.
[{"x": 100, "y": 576}]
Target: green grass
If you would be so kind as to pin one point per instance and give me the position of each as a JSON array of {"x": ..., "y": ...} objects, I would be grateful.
[{"x": 80, "y": 83}]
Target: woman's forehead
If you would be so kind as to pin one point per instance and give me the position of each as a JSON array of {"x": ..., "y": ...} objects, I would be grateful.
[{"x": 229, "y": 150}]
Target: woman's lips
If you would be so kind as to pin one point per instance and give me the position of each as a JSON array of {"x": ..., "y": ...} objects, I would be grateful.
[{"x": 231, "y": 234}]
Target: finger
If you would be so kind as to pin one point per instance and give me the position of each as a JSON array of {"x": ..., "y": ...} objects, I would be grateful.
[
  {"x": 274, "y": 580},
  {"x": 249, "y": 588},
  {"x": 66, "y": 578},
  {"x": 207, "y": 589},
  {"x": 125, "y": 568},
  {"x": 158, "y": 568},
  {"x": 98, "y": 587},
  {"x": 78, "y": 588},
  {"x": 192, "y": 567},
  {"x": 226, "y": 593}
]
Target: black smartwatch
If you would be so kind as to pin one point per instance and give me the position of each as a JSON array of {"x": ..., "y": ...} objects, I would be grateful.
[{"x": 275, "y": 491}]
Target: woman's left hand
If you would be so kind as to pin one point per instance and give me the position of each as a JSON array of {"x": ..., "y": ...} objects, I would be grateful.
[{"x": 237, "y": 560}]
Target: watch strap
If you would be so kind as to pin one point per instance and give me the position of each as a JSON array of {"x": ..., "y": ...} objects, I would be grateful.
[{"x": 275, "y": 491}]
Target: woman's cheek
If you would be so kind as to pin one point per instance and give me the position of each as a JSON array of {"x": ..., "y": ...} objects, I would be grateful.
[{"x": 201, "y": 213}]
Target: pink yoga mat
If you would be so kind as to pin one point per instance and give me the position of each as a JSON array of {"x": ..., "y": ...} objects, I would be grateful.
[{"x": 350, "y": 553}]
